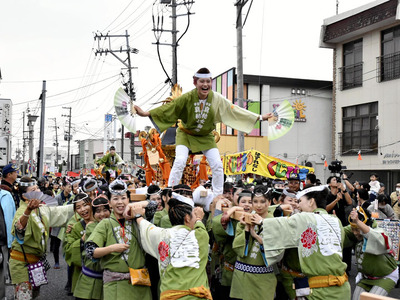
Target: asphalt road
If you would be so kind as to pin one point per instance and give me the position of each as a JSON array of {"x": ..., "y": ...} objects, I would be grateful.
[{"x": 58, "y": 278}]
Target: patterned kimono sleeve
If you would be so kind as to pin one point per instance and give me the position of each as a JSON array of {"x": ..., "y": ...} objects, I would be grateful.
[
  {"x": 166, "y": 115},
  {"x": 376, "y": 242},
  {"x": 280, "y": 234},
  {"x": 150, "y": 237},
  {"x": 72, "y": 247},
  {"x": 58, "y": 216},
  {"x": 233, "y": 115}
]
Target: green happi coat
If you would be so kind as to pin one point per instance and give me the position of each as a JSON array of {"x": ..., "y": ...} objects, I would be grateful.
[
  {"x": 201, "y": 123},
  {"x": 73, "y": 251},
  {"x": 224, "y": 239},
  {"x": 34, "y": 241},
  {"x": 89, "y": 287},
  {"x": 158, "y": 216},
  {"x": 250, "y": 285},
  {"x": 110, "y": 162},
  {"x": 182, "y": 254},
  {"x": 319, "y": 239},
  {"x": 103, "y": 236},
  {"x": 165, "y": 222},
  {"x": 373, "y": 259}
]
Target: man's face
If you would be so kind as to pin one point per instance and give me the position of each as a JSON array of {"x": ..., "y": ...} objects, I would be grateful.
[
  {"x": 294, "y": 185},
  {"x": 333, "y": 182},
  {"x": 112, "y": 152},
  {"x": 203, "y": 86},
  {"x": 12, "y": 176},
  {"x": 68, "y": 188}
]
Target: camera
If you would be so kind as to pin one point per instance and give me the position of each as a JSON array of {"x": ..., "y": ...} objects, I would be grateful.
[{"x": 336, "y": 168}]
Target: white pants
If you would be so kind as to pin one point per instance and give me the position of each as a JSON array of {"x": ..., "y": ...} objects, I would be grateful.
[{"x": 214, "y": 160}]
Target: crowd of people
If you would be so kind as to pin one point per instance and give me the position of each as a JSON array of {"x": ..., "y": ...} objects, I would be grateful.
[
  {"x": 265, "y": 239},
  {"x": 248, "y": 239}
]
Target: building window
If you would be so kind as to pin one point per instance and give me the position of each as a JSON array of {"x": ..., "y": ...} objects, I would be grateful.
[
  {"x": 351, "y": 72},
  {"x": 360, "y": 129},
  {"x": 389, "y": 63}
]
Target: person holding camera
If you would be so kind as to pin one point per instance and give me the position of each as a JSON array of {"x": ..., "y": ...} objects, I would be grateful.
[
  {"x": 395, "y": 201},
  {"x": 340, "y": 203}
]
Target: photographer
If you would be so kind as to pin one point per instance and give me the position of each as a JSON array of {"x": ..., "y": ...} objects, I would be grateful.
[
  {"x": 338, "y": 199},
  {"x": 340, "y": 203},
  {"x": 395, "y": 201}
]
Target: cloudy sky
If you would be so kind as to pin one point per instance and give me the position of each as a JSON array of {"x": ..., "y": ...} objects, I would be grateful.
[{"x": 53, "y": 40}]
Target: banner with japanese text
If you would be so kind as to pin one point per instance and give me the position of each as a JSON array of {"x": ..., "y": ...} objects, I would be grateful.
[{"x": 255, "y": 162}]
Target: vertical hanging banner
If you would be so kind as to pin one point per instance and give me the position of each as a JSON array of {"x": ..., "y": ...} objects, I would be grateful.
[{"x": 255, "y": 162}]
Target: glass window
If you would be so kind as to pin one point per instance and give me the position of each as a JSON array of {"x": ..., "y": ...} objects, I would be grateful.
[
  {"x": 360, "y": 130},
  {"x": 351, "y": 72},
  {"x": 390, "y": 59}
]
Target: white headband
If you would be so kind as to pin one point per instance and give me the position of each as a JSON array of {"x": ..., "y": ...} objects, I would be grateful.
[
  {"x": 291, "y": 195},
  {"x": 198, "y": 75},
  {"x": 318, "y": 188}
]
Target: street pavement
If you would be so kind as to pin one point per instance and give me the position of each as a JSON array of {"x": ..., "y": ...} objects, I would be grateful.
[{"x": 58, "y": 278}]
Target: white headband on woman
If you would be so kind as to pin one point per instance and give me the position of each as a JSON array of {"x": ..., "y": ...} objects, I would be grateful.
[
  {"x": 23, "y": 183},
  {"x": 317, "y": 188},
  {"x": 198, "y": 75}
]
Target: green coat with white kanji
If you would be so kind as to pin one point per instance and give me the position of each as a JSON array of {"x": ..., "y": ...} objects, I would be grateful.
[
  {"x": 319, "y": 239},
  {"x": 373, "y": 259},
  {"x": 88, "y": 287},
  {"x": 103, "y": 236},
  {"x": 201, "y": 123},
  {"x": 250, "y": 286},
  {"x": 34, "y": 240},
  {"x": 182, "y": 254}
]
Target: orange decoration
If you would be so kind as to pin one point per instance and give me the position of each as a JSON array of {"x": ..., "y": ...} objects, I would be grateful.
[
  {"x": 359, "y": 155},
  {"x": 325, "y": 164}
]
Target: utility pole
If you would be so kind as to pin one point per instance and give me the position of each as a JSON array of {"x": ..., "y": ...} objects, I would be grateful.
[
  {"x": 174, "y": 45},
  {"x": 239, "y": 68},
  {"x": 42, "y": 119},
  {"x": 174, "y": 32},
  {"x": 127, "y": 63},
  {"x": 56, "y": 143},
  {"x": 68, "y": 137},
  {"x": 23, "y": 144}
]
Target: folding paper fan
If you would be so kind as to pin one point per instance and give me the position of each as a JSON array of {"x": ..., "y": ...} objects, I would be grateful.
[
  {"x": 48, "y": 200},
  {"x": 124, "y": 110},
  {"x": 33, "y": 195},
  {"x": 282, "y": 121}
]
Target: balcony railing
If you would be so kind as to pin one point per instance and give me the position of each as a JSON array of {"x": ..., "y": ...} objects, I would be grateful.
[
  {"x": 351, "y": 76},
  {"x": 352, "y": 142},
  {"x": 388, "y": 66}
]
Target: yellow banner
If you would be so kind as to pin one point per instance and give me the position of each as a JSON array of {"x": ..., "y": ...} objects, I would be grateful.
[{"x": 255, "y": 162}]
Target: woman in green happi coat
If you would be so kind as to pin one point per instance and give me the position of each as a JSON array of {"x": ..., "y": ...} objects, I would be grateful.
[
  {"x": 318, "y": 238},
  {"x": 90, "y": 281},
  {"x": 253, "y": 278},
  {"x": 115, "y": 242},
  {"x": 82, "y": 207},
  {"x": 31, "y": 226},
  {"x": 223, "y": 228}
]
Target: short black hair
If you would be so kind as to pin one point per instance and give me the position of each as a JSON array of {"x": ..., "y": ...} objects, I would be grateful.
[
  {"x": 177, "y": 211},
  {"x": 312, "y": 178}
]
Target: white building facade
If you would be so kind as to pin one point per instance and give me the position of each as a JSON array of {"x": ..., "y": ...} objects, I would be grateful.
[{"x": 366, "y": 85}]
